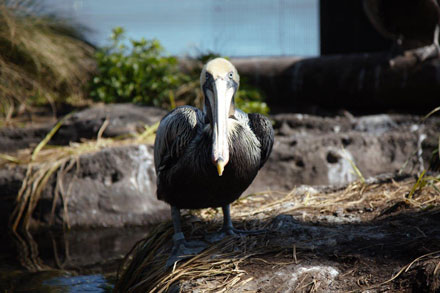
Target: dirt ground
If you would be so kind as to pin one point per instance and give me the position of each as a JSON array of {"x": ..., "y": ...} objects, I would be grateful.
[{"x": 378, "y": 237}]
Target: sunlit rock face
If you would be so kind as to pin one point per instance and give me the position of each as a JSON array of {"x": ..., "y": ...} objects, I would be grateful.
[
  {"x": 315, "y": 150},
  {"x": 114, "y": 187},
  {"x": 111, "y": 188}
]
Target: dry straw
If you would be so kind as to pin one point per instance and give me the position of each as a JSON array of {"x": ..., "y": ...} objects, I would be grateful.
[
  {"x": 46, "y": 163},
  {"x": 218, "y": 268}
]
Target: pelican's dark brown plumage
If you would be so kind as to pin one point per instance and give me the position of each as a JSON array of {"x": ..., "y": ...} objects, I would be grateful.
[
  {"x": 188, "y": 179},
  {"x": 208, "y": 158}
]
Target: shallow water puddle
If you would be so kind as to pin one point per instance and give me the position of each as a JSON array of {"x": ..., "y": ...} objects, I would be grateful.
[{"x": 58, "y": 261}]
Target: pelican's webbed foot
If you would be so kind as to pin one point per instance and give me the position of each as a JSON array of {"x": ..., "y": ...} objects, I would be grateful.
[{"x": 183, "y": 249}]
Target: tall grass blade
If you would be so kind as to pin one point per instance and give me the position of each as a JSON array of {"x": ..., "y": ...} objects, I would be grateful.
[
  {"x": 419, "y": 184},
  {"x": 48, "y": 137},
  {"x": 354, "y": 167},
  {"x": 431, "y": 113}
]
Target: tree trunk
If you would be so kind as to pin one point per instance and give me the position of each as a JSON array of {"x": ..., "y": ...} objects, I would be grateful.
[{"x": 362, "y": 83}]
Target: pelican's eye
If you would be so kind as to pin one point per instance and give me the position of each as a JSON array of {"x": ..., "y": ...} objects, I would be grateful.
[{"x": 231, "y": 75}]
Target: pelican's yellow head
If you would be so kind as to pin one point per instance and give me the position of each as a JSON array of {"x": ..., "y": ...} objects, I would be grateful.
[
  {"x": 219, "y": 67},
  {"x": 219, "y": 81}
]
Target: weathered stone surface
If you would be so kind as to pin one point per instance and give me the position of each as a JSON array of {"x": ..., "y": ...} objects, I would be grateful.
[
  {"x": 320, "y": 151},
  {"x": 122, "y": 118},
  {"x": 112, "y": 188},
  {"x": 116, "y": 186},
  {"x": 10, "y": 182}
]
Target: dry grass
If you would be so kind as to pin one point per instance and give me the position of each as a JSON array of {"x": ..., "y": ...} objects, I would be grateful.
[
  {"x": 41, "y": 57},
  {"x": 218, "y": 267},
  {"x": 354, "y": 197},
  {"x": 47, "y": 162}
]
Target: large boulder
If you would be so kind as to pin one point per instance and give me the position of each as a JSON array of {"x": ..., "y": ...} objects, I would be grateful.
[{"x": 114, "y": 187}]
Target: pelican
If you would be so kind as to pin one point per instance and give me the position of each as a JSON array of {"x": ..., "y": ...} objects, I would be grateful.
[
  {"x": 411, "y": 24},
  {"x": 208, "y": 158}
]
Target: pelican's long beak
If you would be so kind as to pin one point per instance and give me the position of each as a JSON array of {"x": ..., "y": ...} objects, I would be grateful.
[{"x": 221, "y": 104}]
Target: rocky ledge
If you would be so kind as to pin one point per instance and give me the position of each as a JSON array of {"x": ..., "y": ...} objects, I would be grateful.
[{"x": 116, "y": 186}]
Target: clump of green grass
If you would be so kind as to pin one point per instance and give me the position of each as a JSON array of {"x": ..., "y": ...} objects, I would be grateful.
[
  {"x": 43, "y": 59},
  {"x": 424, "y": 179}
]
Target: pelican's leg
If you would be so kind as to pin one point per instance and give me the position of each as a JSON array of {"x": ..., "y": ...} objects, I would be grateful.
[
  {"x": 178, "y": 234},
  {"x": 182, "y": 249},
  {"x": 228, "y": 228}
]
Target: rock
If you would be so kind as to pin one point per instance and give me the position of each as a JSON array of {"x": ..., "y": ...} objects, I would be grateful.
[
  {"x": 12, "y": 139},
  {"x": 375, "y": 124},
  {"x": 111, "y": 188},
  {"x": 289, "y": 278},
  {"x": 123, "y": 119},
  {"x": 320, "y": 151},
  {"x": 10, "y": 183},
  {"x": 116, "y": 186}
]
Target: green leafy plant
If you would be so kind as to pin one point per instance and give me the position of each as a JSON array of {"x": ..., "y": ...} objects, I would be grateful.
[
  {"x": 140, "y": 72},
  {"x": 137, "y": 73},
  {"x": 250, "y": 99}
]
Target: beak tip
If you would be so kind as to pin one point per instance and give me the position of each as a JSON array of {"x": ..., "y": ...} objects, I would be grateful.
[{"x": 220, "y": 167}]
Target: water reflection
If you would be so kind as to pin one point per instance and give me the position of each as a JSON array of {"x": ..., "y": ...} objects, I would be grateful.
[
  {"x": 91, "y": 283},
  {"x": 64, "y": 261},
  {"x": 27, "y": 251}
]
